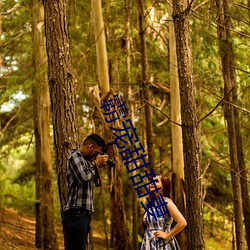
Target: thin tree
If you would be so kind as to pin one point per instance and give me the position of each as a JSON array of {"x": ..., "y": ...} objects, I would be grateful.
[
  {"x": 181, "y": 16},
  {"x": 1, "y": 62},
  {"x": 231, "y": 115},
  {"x": 243, "y": 179},
  {"x": 248, "y": 4},
  {"x": 61, "y": 87},
  {"x": 101, "y": 51},
  {"x": 1, "y": 31},
  {"x": 144, "y": 86},
  {"x": 102, "y": 72},
  {"x": 117, "y": 202},
  {"x": 176, "y": 131},
  {"x": 132, "y": 108},
  {"x": 46, "y": 237}
]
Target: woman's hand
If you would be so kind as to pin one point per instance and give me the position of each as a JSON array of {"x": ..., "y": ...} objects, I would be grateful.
[{"x": 161, "y": 234}]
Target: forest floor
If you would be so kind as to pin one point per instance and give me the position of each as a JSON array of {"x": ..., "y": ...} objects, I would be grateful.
[{"x": 18, "y": 232}]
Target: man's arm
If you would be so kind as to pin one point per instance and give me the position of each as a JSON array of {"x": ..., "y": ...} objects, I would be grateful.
[{"x": 80, "y": 167}]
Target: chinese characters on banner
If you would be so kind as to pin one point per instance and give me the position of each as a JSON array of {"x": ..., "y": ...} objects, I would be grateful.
[{"x": 113, "y": 109}]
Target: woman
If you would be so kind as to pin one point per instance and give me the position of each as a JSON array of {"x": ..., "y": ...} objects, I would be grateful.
[{"x": 158, "y": 234}]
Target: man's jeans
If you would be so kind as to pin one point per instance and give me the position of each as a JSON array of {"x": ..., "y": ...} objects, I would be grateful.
[{"x": 76, "y": 226}]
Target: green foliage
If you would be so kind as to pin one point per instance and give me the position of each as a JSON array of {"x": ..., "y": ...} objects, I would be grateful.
[
  {"x": 26, "y": 173},
  {"x": 217, "y": 229},
  {"x": 15, "y": 73},
  {"x": 19, "y": 197},
  {"x": 18, "y": 189}
]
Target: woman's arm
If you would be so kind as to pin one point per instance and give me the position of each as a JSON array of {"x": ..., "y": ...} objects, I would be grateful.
[{"x": 178, "y": 218}]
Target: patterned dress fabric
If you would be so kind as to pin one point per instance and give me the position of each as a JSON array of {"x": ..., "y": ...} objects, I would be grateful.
[{"x": 150, "y": 242}]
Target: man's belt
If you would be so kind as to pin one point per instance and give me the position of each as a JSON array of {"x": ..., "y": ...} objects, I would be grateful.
[{"x": 75, "y": 211}]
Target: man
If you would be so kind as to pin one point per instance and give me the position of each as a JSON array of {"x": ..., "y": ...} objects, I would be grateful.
[{"x": 82, "y": 169}]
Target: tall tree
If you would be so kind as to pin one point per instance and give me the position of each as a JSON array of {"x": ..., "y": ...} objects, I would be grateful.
[
  {"x": 101, "y": 51},
  {"x": 102, "y": 69},
  {"x": 134, "y": 202},
  {"x": 181, "y": 17},
  {"x": 119, "y": 224},
  {"x": 231, "y": 115},
  {"x": 117, "y": 202},
  {"x": 1, "y": 31},
  {"x": 144, "y": 84},
  {"x": 243, "y": 180},
  {"x": 176, "y": 132},
  {"x": 46, "y": 237},
  {"x": 248, "y": 3},
  {"x": 61, "y": 87}
]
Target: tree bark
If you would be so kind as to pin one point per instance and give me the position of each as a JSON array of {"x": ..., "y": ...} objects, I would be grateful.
[
  {"x": 134, "y": 199},
  {"x": 102, "y": 65},
  {"x": 117, "y": 202},
  {"x": 101, "y": 51},
  {"x": 176, "y": 132},
  {"x": 145, "y": 88},
  {"x": 104, "y": 219},
  {"x": 1, "y": 62},
  {"x": 243, "y": 178},
  {"x": 46, "y": 237},
  {"x": 231, "y": 116},
  {"x": 181, "y": 16},
  {"x": 1, "y": 31},
  {"x": 61, "y": 87},
  {"x": 248, "y": 4}
]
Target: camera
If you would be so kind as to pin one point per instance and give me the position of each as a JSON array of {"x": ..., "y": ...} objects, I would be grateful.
[{"x": 110, "y": 162}]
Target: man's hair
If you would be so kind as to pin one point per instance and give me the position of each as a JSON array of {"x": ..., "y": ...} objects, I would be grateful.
[{"x": 95, "y": 140}]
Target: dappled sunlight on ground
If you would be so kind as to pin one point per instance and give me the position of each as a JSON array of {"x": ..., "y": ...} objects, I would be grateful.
[{"x": 18, "y": 232}]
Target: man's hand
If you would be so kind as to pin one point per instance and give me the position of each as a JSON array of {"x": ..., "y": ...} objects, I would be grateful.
[{"x": 101, "y": 160}]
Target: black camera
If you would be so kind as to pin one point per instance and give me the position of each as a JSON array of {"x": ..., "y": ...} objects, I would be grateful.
[{"x": 110, "y": 162}]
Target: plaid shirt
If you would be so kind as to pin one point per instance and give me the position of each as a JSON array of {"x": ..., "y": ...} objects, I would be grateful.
[{"x": 80, "y": 179}]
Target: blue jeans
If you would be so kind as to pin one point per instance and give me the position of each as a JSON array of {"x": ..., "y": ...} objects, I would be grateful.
[{"x": 76, "y": 226}]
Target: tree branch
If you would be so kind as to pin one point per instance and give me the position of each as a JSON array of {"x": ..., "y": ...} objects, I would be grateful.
[
  {"x": 200, "y": 5},
  {"x": 14, "y": 8},
  {"x": 161, "y": 112},
  {"x": 10, "y": 120}
]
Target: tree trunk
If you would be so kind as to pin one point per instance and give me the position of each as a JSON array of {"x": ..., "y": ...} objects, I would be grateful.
[
  {"x": 132, "y": 108},
  {"x": 233, "y": 236},
  {"x": 117, "y": 203},
  {"x": 119, "y": 218},
  {"x": 120, "y": 240},
  {"x": 134, "y": 220},
  {"x": 189, "y": 126},
  {"x": 104, "y": 219},
  {"x": 61, "y": 88},
  {"x": 248, "y": 3},
  {"x": 46, "y": 237},
  {"x": 38, "y": 60},
  {"x": 176, "y": 132},
  {"x": 145, "y": 88},
  {"x": 101, "y": 51},
  {"x": 243, "y": 179},
  {"x": 102, "y": 65},
  {"x": 230, "y": 93},
  {"x": 1, "y": 32},
  {"x": 1, "y": 62}
]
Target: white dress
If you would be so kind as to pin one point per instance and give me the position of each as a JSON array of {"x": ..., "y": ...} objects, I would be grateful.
[{"x": 150, "y": 242}]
